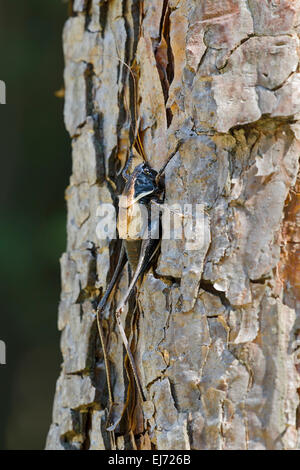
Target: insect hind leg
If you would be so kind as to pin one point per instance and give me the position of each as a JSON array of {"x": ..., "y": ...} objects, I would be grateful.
[{"x": 139, "y": 269}]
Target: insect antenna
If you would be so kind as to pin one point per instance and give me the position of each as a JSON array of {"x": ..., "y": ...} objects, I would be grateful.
[{"x": 137, "y": 139}]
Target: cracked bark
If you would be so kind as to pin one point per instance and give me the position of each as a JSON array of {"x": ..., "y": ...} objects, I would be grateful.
[{"x": 216, "y": 341}]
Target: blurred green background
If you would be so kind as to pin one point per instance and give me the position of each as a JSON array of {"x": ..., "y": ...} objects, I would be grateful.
[{"x": 35, "y": 169}]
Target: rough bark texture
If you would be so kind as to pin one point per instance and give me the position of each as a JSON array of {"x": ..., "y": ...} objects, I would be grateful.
[{"x": 216, "y": 339}]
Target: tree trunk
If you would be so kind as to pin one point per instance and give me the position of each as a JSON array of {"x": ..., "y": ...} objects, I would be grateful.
[{"x": 214, "y": 334}]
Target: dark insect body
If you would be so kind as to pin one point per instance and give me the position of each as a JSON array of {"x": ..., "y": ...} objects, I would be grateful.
[
  {"x": 145, "y": 187},
  {"x": 141, "y": 187}
]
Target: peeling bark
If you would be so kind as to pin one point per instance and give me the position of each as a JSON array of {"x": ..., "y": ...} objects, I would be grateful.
[{"x": 214, "y": 331}]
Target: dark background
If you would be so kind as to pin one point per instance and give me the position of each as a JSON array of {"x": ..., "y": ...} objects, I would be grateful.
[{"x": 35, "y": 169}]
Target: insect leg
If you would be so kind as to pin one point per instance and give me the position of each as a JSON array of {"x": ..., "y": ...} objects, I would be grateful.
[
  {"x": 114, "y": 279},
  {"x": 100, "y": 308},
  {"x": 139, "y": 269},
  {"x": 125, "y": 170},
  {"x": 143, "y": 259}
]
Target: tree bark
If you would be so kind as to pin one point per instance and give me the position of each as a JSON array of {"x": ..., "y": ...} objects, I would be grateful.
[{"x": 215, "y": 340}]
